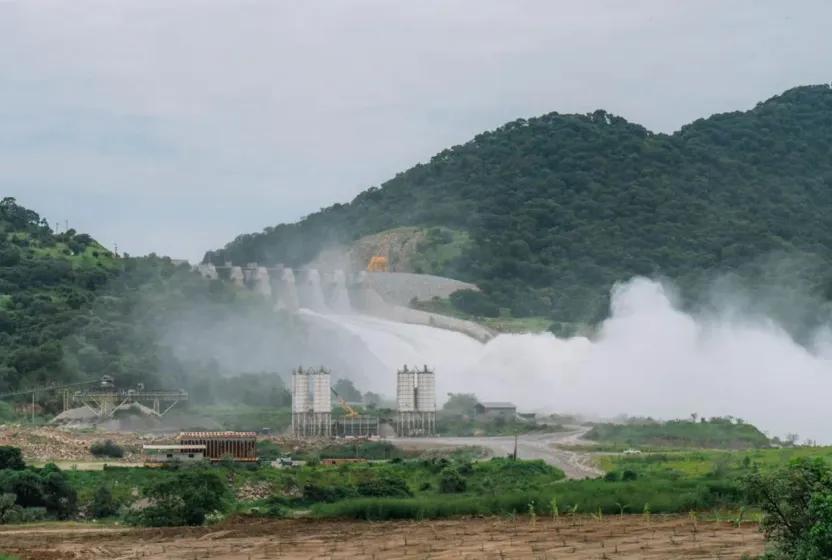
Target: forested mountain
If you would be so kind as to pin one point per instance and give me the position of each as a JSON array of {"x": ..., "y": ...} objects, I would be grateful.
[
  {"x": 72, "y": 311},
  {"x": 558, "y": 208},
  {"x": 46, "y": 279}
]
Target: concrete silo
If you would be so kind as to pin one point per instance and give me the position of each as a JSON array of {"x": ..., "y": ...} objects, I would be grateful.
[{"x": 416, "y": 402}]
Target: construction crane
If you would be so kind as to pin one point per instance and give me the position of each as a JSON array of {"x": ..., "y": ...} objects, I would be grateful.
[{"x": 349, "y": 411}]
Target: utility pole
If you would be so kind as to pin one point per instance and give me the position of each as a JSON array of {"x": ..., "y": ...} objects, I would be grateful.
[
  {"x": 33, "y": 408},
  {"x": 515, "y": 445}
]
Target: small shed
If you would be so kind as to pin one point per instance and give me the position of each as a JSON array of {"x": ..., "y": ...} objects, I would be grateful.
[
  {"x": 505, "y": 409},
  {"x": 166, "y": 454}
]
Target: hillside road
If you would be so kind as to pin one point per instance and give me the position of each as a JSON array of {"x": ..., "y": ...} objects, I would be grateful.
[{"x": 543, "y": 446}]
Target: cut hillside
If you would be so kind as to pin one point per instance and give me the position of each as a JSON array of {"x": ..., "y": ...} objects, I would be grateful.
[{"x": 558, "y": 208}]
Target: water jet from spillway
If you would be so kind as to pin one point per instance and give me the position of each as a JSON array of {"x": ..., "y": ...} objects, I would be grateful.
[{"x": 649, "y": 359}]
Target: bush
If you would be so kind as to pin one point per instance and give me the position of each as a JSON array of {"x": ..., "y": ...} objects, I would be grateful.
[
  {"x": 474, "y": 302},
  {"x": 46, "y": 488},
  {"x": 268, "y": 450},
  {"x": 11, "y": 458},
  {"x": 629, "y": 475},
  {"x": 107, "y": 448},
  {"x": 319, "y": 493},
  {"x": 797, "y": 502},
  {"x": 451, "y": 482},
  {"x": 184, "y": 499},
  {"x": 385, "y": 485},
  {"x": 103, "y": 504}
]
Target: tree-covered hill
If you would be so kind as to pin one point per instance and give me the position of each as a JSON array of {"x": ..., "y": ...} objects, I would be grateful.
[
  {"x": 560, "y": 207},
  {"x": 72, "y": 311},
  {"x": 46, "y": 280}
]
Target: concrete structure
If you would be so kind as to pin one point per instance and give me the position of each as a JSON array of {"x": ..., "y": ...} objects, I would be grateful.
[
  {"x": 105, "y": 400},
  {"x": 415, "y": 402},
  {"x": 237, "y": 446},
  {"x": 169, "y": 454},
  {"x": 356, "y": 426},
  {"x": 382, "y": 294},
  {"x": 504, "y": 409},
  {"x": 311, "y": 403}
]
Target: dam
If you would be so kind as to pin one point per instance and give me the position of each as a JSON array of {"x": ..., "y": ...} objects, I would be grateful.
[{"x": 379, "y": 294}]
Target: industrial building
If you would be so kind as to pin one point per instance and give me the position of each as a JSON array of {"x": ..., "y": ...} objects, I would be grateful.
[
  {"x": 311, "y": 403},
  {"x": 237, "y": 446},
  {"x": 494, "y": 409},
  {"x": 155, "y": 455},
  {"x": 416, "y": 402}
]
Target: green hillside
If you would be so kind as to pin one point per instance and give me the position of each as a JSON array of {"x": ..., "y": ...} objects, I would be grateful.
[
  {"x": 71, "y": 311},
  {"x": 716, "y": 433},
  {"x": 46, "y": 279},
  {"x": 560, "y": 207}
]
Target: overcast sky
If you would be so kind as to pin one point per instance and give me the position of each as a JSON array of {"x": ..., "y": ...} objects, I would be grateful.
[{"x": 173, "y": 126}]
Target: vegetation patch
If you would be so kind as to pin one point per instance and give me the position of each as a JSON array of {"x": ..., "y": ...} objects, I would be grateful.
[{"x": 716, "y": 433}]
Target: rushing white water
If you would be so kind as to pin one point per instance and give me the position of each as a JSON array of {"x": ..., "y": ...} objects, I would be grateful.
[{"x": 648, "y": 359}]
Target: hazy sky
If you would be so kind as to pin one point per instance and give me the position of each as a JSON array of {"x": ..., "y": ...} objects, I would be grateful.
[{"x": 174, "y": 126}]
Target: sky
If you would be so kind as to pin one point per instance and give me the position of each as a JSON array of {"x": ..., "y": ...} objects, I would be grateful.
[{"x": 173, "y": 127}]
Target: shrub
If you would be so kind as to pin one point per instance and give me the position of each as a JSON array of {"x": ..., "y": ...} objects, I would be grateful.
[
  {"x": 320, "y": 493},
  {"x": 107, "y": 448},
  {"x": 451, "y": 482},
  {"x": 184, "y": 499},
  {"x": 268, "y": 450},
  {"x": 103, "y": 504},
  {"x": 11, "y": 458},
  {"x": 474, "y": 302},
  {"x": 797, "y": 503},
  {"x": 46, "y": 488},
  {"x": 385, "y": 485},
  {"x": 629, "y": 475}
]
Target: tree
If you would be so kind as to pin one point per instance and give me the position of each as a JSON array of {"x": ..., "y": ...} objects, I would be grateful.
[
  {"x": 797, "y": 503},
  {"x": 474, "y": 302},
  {"x": 451, "y": 481},
  {"x": 184, "y": 499},
  {"x": 461, "y": 403},
  {"x": 11, "y": 458},
  {"x": 103, "y": 504},
  {"x": 347, "y": 391}
]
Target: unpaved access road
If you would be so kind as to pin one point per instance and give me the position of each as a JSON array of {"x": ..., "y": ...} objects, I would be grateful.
[
  {"x": 630, "y": 537},
  {"x": 529, "y": 446}
]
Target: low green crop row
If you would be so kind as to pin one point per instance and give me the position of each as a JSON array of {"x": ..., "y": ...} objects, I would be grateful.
[{"x": 571, "y": 497}]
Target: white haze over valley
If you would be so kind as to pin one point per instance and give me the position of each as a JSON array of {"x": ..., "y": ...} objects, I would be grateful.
[{"x": 648, "y": 359}]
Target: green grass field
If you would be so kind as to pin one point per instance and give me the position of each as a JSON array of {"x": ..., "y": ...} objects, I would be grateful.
[{"x": 716, "y": 433}]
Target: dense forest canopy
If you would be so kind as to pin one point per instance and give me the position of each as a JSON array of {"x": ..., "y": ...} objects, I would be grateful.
[
  {"x": 72, "y": 311},
  {"x": 560, "y": 207}
]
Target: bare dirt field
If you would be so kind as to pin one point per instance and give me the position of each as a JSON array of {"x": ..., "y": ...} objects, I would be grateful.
[{"x": 626, "y": 538}]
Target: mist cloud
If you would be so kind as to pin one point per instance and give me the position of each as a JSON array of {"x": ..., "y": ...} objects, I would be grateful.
[{"x": 649, "y": 359}]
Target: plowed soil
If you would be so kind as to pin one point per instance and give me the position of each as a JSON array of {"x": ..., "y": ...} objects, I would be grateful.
[{"x": 628, "y": 538}]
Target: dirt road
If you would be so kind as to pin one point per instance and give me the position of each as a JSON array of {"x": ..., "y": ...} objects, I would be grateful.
[
  {"x": 529, "y": 446},
  {"x": 628, "y": 538}
]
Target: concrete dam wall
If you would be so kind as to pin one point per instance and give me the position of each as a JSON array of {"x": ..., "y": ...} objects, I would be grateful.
[{"x": 380, "y": 294}]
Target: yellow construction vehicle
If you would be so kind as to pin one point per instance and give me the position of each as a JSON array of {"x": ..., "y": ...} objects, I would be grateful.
[{"x": 378, "y": 264}]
